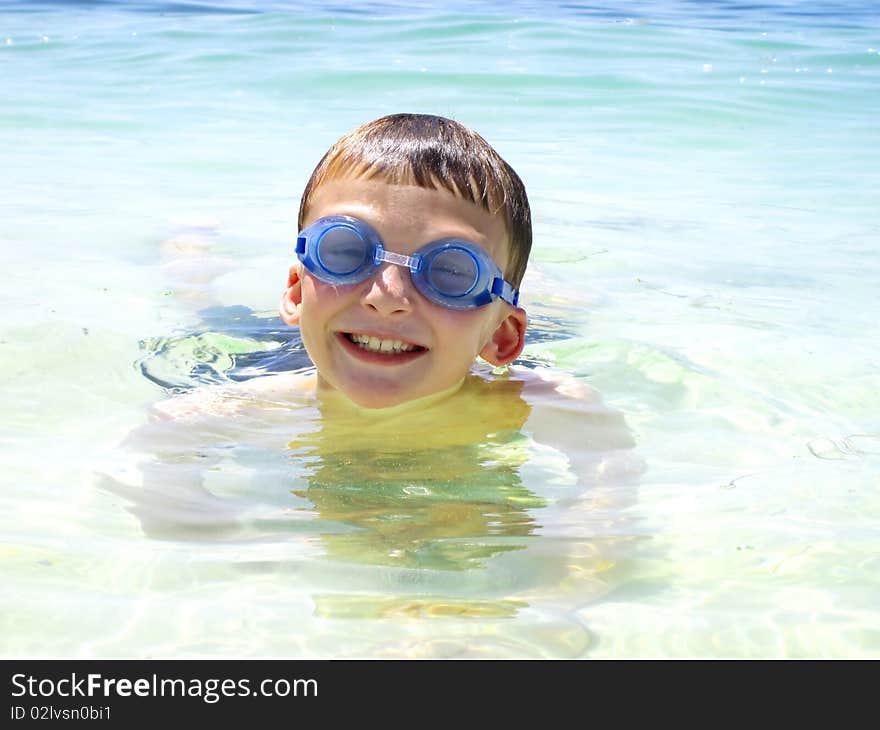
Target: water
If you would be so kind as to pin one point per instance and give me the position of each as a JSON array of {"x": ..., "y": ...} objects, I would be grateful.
[{"x": 703, "y": 178}]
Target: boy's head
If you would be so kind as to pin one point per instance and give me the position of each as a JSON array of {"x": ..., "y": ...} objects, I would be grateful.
[{"x": 406, "y": 181}]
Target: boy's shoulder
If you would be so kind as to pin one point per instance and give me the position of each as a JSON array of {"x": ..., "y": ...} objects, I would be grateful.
[
  {"x": 544, "y": 385},
  {"x": 545, "y": 380},
  {"x": 230, "y": 399},
  {"x": 568, "y": 413}
]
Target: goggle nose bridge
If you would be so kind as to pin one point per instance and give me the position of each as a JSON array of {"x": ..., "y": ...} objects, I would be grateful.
[{"x": 413, "y": 263}]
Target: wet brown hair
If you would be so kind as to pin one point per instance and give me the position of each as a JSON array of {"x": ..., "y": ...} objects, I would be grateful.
[{"x": 433, "y": 152}]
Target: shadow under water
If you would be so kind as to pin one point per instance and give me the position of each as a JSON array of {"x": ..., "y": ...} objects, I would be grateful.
[{"x": 234, "y": 343}]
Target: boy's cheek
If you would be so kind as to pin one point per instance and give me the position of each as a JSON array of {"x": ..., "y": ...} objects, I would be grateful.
[
  {"x": 316, "y": 292},
  {"x": 309, "y": 289}
]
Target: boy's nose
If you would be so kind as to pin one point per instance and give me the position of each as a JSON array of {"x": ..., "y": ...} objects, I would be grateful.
[{"x": 390, "y": 290}]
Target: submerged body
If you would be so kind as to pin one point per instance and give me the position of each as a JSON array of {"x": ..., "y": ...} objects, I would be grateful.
[
  {"x": 551, "y": 407},
  {"x": 489, "y": 463}
]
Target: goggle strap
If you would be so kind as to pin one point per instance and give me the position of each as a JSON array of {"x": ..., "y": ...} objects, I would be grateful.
[
  {"x": 300, "y": 244},
  {"x": 413, "y": 263},
  {"x": 505, "y": 291}
]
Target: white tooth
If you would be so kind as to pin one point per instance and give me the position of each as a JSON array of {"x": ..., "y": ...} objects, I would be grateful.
[{"x": 374, "y": 344}]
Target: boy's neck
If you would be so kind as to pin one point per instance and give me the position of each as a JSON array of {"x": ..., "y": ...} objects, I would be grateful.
[{"x": 334, "y": 398}]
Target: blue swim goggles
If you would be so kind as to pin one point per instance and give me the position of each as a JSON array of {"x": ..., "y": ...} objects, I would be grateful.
[{"x": 457, "y": 274}]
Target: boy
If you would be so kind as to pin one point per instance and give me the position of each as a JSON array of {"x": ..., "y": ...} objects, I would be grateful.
[{"x": 414, "y": 238}]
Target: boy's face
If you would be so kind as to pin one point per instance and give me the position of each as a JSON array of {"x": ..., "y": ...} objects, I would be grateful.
[{"x": 440, "y": 343}]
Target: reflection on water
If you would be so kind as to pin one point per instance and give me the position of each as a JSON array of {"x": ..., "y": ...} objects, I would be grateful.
[
  {"x": 448, "y": 505},
  {"x": 341, "y": 606},
  {"x": 417, "y": 525}
]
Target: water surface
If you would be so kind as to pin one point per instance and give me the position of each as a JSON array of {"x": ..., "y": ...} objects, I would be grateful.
[{"x": 703, "y": 180}]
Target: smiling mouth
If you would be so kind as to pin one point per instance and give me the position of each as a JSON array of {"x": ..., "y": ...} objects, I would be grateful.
[{"x": 381, "y": 346}]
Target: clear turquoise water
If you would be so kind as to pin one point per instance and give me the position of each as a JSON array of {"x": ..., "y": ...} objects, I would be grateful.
[{"x": 703, "y": 179}]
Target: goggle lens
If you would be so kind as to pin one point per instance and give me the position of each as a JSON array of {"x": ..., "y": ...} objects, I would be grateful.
[
  {"x": 341, "y": 251},
  {"x": 454, "y": 272}
]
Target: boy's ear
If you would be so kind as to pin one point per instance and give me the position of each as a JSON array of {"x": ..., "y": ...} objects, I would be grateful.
[
  {"x": 291, "y": 298},
  {"x": 507, "y": 340}
]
